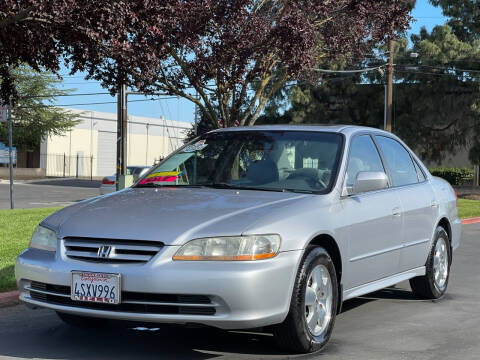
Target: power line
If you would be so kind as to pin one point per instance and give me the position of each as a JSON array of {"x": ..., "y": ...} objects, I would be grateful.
[
  {"x": 327, "y": 71},
  {"x": 442, "y": 68},
  {"x": 430, "y": 17},
  {"x": 92, "y": 94},
  {"x": 62, "y": 95},
  {"x": 95, "y": 103},
  {"x": 428, "y": 73}
]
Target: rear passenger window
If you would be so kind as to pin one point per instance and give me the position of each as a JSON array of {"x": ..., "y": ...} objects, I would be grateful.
[
  {"x": 363, "y": 157},
  {"x": 420, "y": 174},
  {"x": 398, "y": 161}
]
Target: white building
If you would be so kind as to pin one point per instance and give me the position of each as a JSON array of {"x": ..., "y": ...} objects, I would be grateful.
[{"x": 93, "y": 144}]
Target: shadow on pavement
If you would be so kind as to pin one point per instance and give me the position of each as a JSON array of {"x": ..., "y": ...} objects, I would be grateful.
[
  {"x": 55, "y": 340},
  {"x": 391, "y": 293},
  {"x": 60, "y": 341}
]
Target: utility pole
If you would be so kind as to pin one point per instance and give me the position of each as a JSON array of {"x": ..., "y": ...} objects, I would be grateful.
[
  {"x": 121, "y": 136},
  {"x": 388, "y": 125},
  {"x": 10, "y": 151},
  {"x": 124, "y": 130},
  {"x": 196, "y": 115}
]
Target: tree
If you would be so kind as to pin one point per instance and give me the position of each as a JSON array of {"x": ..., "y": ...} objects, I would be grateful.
[
  {"x": 465, "y": 21},
  {"x": 464, "y": 17},
  {"x": 237, "y": 53},
  {"x": 234, "y": 53},
  {"x": 434, "y": 94},
  {"x": 33, "y": 117},
  {"x": 41, "y": 34}
]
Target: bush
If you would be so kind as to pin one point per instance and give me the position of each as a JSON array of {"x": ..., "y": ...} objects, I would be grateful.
[{"x": 455, "y": 176}]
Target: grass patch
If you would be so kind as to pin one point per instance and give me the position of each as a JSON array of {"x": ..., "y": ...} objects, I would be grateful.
[
  {"x": 16, "y": 228},
  {"x": 468, "y": 208}
]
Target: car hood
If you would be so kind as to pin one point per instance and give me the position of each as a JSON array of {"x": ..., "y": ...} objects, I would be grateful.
[{"x": 169, "y": 215}]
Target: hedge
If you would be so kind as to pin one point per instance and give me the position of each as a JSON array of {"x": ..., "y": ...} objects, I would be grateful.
[{"x": 455, "y": 176}]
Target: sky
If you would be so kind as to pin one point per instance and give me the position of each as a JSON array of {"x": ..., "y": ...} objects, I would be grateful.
[{"x": 180, "y": 109}]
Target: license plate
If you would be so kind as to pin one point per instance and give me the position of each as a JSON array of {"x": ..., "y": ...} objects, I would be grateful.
[{"x": 95, "y": 287}]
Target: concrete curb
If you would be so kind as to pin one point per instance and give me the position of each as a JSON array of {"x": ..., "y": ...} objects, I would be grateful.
[
  {"x": 469, "y": 221},
  {"x": 9, "y": 298}
]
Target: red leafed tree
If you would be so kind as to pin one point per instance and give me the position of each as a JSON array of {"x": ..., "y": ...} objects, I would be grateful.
[
  {"x": 87, "y": 34},
  {"x": 234, "y": 53}
]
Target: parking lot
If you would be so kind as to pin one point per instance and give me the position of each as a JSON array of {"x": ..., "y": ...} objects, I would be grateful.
[
  {"x": 47, "y": 193},
  {"x": 389, "y": 324}
]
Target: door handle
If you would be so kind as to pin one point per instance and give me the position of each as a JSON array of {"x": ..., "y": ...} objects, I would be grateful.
[
  {"x": 396, "y": 212},
  {"x": 435, "y": 204}
]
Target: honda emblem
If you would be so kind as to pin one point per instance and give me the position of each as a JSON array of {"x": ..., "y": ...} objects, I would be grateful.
[{"x": 104, "y": 252}]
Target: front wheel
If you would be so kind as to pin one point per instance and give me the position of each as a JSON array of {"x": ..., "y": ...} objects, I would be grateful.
[
  {"x": 310, "y": 321},
  {"x": 433, "y": 284}
]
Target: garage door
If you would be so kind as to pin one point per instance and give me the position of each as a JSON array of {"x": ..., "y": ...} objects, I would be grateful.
[{"x": 107, "y": 153}]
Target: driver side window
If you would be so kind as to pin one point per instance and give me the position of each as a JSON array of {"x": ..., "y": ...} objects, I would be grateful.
[{"x": 363, "y": 157}]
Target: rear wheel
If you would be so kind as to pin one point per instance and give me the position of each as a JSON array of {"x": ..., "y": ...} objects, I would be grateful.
[
  {"x": 433, "y": 284},
  {"x": 82, "y": 321},
  {"x": 310, "y": 321}
]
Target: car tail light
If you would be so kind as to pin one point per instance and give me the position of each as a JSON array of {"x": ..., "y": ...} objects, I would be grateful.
[{"x": 106, "y": 181}]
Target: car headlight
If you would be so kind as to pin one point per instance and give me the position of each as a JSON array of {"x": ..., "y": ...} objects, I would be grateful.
[
  {"x": 234, "y": 248},
  {"x": 44, "y": 239}
]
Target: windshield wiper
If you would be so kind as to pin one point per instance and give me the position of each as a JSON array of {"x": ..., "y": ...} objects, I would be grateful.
[
  {"x": 238, "y": 187},
  {"x": 299, "y": 191},
  {"x": 149, "y": 185}
]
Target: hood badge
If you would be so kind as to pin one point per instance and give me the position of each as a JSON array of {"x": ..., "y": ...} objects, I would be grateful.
[{"x": 104, "y": 252}]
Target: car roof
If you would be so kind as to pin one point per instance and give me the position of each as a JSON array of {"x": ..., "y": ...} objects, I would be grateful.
[{"x": 344, "y": 129}]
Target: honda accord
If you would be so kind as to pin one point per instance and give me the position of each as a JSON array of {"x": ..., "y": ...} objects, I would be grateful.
[{"x": 266, "y": 226}]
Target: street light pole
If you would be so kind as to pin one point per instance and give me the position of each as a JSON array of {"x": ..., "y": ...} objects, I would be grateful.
[
  {"x": 119, "y": 139},
  {"x": 121, "y": 135},
  {"x": 196, "y": 115},
  {"x": 10, "y": 151}
]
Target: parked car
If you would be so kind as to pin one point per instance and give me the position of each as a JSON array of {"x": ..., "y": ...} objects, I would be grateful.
[
  {"x": 108, "y": 182},
  {"x": 266, "y": 226}
]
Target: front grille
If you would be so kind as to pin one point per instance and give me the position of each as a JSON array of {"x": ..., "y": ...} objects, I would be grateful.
[
  {"x": 111, "y": 251},
  {"x": 134, "y": 302}
]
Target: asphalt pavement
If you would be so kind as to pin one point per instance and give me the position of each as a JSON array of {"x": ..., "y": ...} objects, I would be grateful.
[
  {"x": 47, "y": 193},
  {"x": 389, "y": 324}
]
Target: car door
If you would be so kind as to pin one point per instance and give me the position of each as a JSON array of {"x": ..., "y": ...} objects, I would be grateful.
[
  {"x": 373, "y": 218},
  {"x": 417, "y": 200}
]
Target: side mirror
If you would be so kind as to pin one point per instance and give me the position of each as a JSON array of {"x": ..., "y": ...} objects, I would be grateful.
[{"x": 369, "y": 181}]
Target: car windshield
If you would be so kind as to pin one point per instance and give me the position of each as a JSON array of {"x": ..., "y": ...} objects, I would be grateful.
[{"x": 297, "y": 161}]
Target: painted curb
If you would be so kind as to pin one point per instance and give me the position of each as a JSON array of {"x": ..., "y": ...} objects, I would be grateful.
[
  {"x": 9, "y": 298},
  {"x": 469, "y": 221}
]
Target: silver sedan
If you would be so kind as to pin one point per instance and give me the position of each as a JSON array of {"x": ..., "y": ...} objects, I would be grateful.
[{"x": 250, "y": 227}]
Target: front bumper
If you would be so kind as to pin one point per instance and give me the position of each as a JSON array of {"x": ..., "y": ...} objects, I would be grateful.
[{"x": 242, "y": 294}]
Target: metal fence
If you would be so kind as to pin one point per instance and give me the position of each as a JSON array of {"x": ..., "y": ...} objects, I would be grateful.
[{"x": 63, "y": 165}]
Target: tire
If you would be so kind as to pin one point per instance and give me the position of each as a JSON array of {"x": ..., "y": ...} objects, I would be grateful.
[
  {"x": 295, "y": 334},
  {"x": 82, "y": 321},
  {"x": 433, "y": 284}
]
